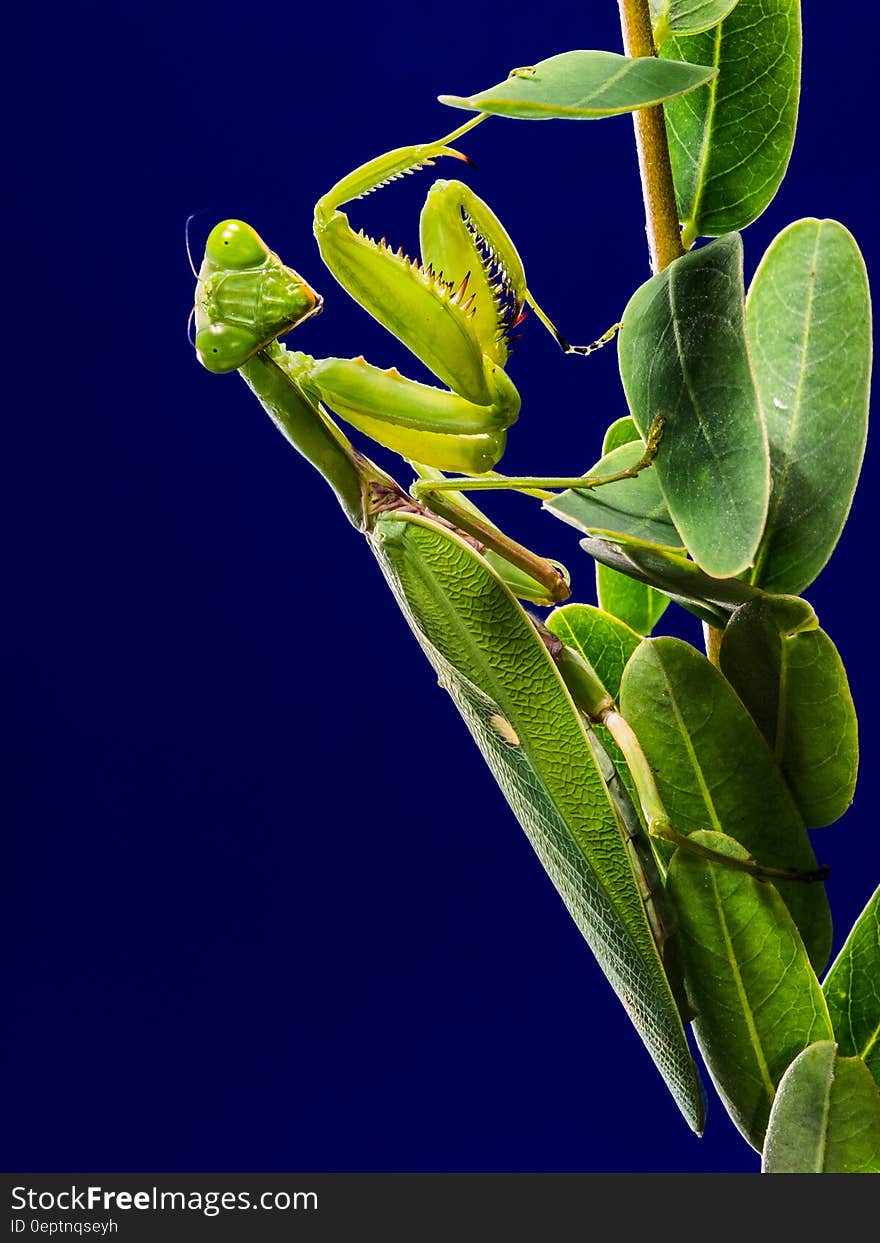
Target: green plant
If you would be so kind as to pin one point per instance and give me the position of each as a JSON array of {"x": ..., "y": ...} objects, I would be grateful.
[{"x": 669, "y": 794}]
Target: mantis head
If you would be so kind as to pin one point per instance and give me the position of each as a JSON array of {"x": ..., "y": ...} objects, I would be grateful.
[{"x": 245, "y": 297}]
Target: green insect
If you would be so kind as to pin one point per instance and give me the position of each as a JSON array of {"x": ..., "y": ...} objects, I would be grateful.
[
  {"x": 454, "y": 309},
  {"x": 455, "y": 576}
]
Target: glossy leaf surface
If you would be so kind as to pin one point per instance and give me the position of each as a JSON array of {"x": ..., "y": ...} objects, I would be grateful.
[
  {"x": 489, "y": 657},
  {"x": 714, "y": 770},
  {"x": 826, "y": 1117},
  {"x": 583, "y": 85},
  {"x": 852, "y": 989},
  {"x": 730, "y": 142},
  {"x": 683, "y": 355},
  {"x": 789, "y": 675},
  {"x": 748, "y": 978},
  {"x": 809, "y": 327}
]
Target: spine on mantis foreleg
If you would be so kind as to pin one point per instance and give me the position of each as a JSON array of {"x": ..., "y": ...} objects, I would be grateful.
[{"x": 505, "y": 684}]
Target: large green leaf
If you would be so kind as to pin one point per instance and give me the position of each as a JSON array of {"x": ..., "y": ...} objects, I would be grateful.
[
  {"x": 852, "y": 989},
  {"x": 826, "y": 1117},
  {"x": 756, "y": 998},
  {"x": 683, "y": 355},
  {"x": 788, "y": 674},
  {"x": 582, "y": 85},
  {"x": 686, "y": 17},
  {"x": 500, "y": 675},
  {"x": 714, "y": 770},
  {"x": 730, "y": 142},
  {"x": 809, "y": 327}
]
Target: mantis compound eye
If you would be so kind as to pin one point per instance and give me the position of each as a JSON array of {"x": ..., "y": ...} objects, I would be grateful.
[
  {"x": 234, "y": 244},
  {"x": 224, "y": 347}
]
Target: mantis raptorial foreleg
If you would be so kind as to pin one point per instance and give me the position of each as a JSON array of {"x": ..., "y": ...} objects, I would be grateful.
[
  {"x": 454, "y": 308},
  {"x": 246, "y": 296}
]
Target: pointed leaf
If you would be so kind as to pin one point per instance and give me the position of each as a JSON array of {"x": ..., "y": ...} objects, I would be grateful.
[
  {"x": 852, "y": 989},
  {"x": 686, "y": 17},
  {"x": 488, "y": 655},
  {"x": 683, "y": 355},
  {"x": 714, "y": 770},
  {"x": 826, "y": 1117},
  {"x": 730, "y": 142},
  {"x": 809, "y": 328},
  {"x": 581, "y": 85},
  {"x": 790, "y": 677},
  {"x": 757, "y": 1000}
]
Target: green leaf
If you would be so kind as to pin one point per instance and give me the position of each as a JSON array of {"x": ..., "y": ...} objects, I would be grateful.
[
  {"x": 826, "y": 1117},
  {"x": 757, "y": 1000},
  {"x": 686, "y": 17},
  {"x": 714, "y": 770},
  {"x": 605, "y": 643},
  {"x": 631, "y": 507},
  {"x": 683, "y": 355},
  {"x": 730, "y": 143},
  {"x": 852, "y": 989},
  {"x": 789, "y": 675},
  {"x": 636, "y": 604},
  {"x": 809, "y": 328},
  {"x": 713, "y": 600},
  {"x": 582, "y": 85},
  {"x": 621, "y": 432},
  {"x": 496, "y": 668}
]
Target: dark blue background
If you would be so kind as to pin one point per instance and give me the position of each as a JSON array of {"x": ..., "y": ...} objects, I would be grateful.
[{"x": 266, "y": 908}]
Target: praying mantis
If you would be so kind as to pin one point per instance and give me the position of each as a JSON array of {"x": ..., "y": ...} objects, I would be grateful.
[
  {"x": 454, "y": 308},
  {"x": 530, "y": 702}
]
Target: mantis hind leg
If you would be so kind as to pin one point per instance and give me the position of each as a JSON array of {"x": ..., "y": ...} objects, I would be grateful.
[{"x": 541, "y": 486}]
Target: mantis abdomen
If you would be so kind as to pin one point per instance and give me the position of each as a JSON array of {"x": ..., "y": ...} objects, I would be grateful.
[{"x": 524, "y": 721}]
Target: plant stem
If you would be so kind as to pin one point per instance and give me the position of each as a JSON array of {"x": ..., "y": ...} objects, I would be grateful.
[{"x": 658, "y": 191}]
